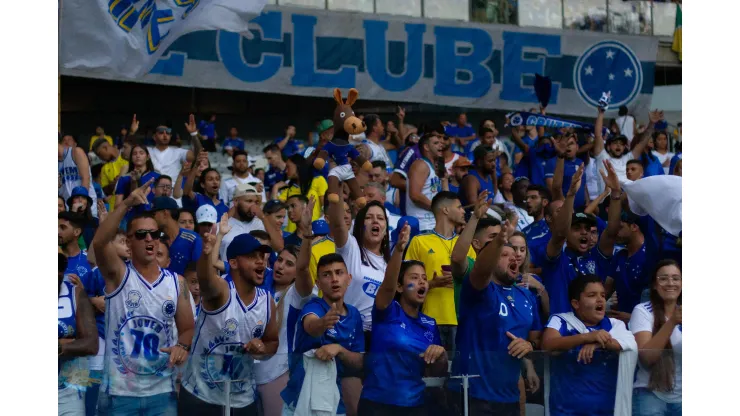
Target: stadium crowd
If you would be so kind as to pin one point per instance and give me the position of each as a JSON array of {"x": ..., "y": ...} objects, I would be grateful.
[{"x": 469, "y": 257}]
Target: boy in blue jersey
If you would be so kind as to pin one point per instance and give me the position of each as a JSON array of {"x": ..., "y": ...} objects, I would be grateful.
[
  {"x": 185, "y": 246},
  {"x": 330, "y": 327},
  {"x": 499, "y": 325},
  {"x": 560, "y": 265},
  {"x": 70, "y": 227},
  {"x": 583, "y": 375},
  {"x": 567, "y": 163}
]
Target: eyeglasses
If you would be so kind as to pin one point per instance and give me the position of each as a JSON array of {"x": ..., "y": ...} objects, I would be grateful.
[
  {"x": 664, "y": 279},
  {"x": 141, "y": 234},
  {"x": 165, "y": 187}
]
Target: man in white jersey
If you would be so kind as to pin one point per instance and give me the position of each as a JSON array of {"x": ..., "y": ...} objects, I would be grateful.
[
  {"x": 145, "y": 306},
  {"x": 423, "y": 183},
  {"x": 616, "y": 148},
  {"x": 74, "y": 171},
  {"x": 236, "y": 324},
  {"x": 168, "y": 159},
  {"x": 241, "y": 176}
]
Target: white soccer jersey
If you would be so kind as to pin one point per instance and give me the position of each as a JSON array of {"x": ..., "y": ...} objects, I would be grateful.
[
  {"x": 139, "y": 321},
  {"x": 218, "y": 350},
  {"x": 70, "y": 175},
  {"x": 432, "y": 186}
]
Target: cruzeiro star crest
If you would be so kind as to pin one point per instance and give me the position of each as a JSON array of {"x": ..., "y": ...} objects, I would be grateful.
[{"x": 608, "y": 66}]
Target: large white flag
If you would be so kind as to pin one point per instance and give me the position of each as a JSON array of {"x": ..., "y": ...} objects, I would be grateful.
[
  {"x": 660, "y": 197},
  {"x": 128, "y": 36}
]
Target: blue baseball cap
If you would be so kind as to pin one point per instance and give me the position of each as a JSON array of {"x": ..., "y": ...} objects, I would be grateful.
[
  {"x": 320, "y": 227},
  {"x": 164, "y": 202},
  {"x": 245, "y": 244},
  {"x": 413, "y": 223}
]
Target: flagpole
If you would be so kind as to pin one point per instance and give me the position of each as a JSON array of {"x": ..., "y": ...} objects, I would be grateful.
[{"x": 59, "y": 71}]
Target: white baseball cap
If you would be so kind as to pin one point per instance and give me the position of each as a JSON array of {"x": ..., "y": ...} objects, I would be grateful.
[{"x": 206, "y": 214}]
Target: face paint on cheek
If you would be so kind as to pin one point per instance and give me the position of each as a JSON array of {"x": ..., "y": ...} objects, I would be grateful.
[{"x": 410, "y": 287}]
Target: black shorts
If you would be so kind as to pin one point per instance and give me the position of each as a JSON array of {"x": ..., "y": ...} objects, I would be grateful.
[
  {"x": 371, "y": 408},
  {"x": 187, "y": 404}
]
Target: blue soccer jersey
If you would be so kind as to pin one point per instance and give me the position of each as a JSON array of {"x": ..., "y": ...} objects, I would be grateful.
[
  {"x": 558, "y": 272},
  {"x": 397, "y": 342},
  {"x": 482, "y": 343},
  {"x": 79, "y": 265},
  {"x": 185, "y": 249},
  {"x": 579, "y": 389},
  {"x": 631, "y": 276},
  {"x": 347, "y": 333}
]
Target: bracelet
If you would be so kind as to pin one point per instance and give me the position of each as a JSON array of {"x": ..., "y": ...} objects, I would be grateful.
[
  {"x": 195, "y": 133},
  {"x": 617, "y": 198},
  {"x": 183, "y": 346}
]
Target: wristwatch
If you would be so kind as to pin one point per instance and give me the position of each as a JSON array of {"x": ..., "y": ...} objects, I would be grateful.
[{"x": 184, "y": 346}]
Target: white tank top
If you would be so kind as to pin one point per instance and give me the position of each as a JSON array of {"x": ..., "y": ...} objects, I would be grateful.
[
  {"x": 277, "y": 365},
  {"x": 139, "y": 321},
  {"x": 218, "y": 352},
  {"x": 378, "y": 153},
  {"x": 432, "y": 185},
  {"x": 71, "y": 178}
]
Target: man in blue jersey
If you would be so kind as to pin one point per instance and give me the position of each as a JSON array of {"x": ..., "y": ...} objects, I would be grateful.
[
  {"x": 481, "y": 178},
  {"x": 296, "y": 205},
  {"x": 462, "y": 132},
  {"x": 566, "y": 162},
  {"x": 276, "y": 173},
  {"x": 538, "y": 198},
  {"x": 499, "y": 325},
  {"x": 329, "y": 327},
  {"x": 560, "y": 265},
  {"x": 288, "y": 144},
  {"x": 185, "y": 245},
  {"x": 70, "y": 227}
]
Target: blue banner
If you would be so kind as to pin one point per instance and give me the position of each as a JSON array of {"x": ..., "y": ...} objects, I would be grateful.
[{"x": 398, "y": 59}]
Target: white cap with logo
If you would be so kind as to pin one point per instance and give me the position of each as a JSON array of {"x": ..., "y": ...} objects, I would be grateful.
[{"x": 206, "y": 214}]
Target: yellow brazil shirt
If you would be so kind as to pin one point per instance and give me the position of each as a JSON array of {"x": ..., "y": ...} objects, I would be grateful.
[
  {"x": 110, "y": 172},
  {"x": 435, "y": 251},
  {"x": 318, "y": 190},
  {"x": 319, "y": 249},
  {"x": 94, "y": 138}
]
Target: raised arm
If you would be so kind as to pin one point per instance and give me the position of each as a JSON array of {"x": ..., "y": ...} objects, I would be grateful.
[
  {"x": 195, "y": 172},
  {"x": 654, "y": 117},
  {"x": 83, "y": 166},
  {"x": 609, "y": 236},
  {"x": 561, "y": 224},
  {"x": 223, "y": 228},
  {"x": 303, "y": 281},
  {"x": 111, "y": 266},
  {"x": 192, "y": 129},
  {"x": 214, "y": 291},
  {"x": 471, "y": 188},
  {"x": 459, "y": 256},
  {"x": 336, "y": 223},
  {"x": 598, "y": 137},
  {"x": 556, "y": 186},
  {"x": 274, "y": 231},
  {"x": 593, "y": 205},
  {"x": 386, "y": 292},
  {"x": 417, "y": 174},
  {"x": 86, "y": 340},
  {"x": 486, "y": 261}
]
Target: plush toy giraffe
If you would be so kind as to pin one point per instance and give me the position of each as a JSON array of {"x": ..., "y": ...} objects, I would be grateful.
[{"x": 341, "y": 151}]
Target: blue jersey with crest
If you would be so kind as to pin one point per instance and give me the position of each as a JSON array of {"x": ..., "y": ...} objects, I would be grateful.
[
  {"x": 485, "y": 317},
  {"x": 582, "y": 389},
  {"x": 397, "y": 341},
  {"x": 347, "y": 333},
  {"x": 79, "y": 265},
  {"x": 186, "y": 248},
  {"x": 558, "y": 272}
]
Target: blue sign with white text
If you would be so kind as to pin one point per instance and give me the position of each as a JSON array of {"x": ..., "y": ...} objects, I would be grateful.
[{"x": 305, "y": 52}]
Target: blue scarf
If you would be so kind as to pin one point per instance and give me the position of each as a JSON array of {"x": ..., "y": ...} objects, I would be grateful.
[{"x": 522, "y": 118}]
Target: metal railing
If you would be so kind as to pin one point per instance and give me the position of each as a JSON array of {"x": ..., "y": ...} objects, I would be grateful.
[{"x": 608, "y": 16}]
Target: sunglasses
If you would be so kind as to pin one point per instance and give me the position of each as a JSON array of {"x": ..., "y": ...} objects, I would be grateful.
[
  {"x": 141, "y": 234},
  {"x": 164, "y": 130}
]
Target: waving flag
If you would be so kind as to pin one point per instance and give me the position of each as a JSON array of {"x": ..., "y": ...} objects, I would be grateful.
[
  {"x": 677, "y": 34},
  {"x": 127, "y": 37}
]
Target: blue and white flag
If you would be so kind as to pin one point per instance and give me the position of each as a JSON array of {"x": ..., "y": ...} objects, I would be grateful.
[{"x": 127, "y": 37}]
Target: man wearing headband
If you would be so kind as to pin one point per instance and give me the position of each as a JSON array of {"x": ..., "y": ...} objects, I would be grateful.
[
  {"x": 237, "y": 326},
  {"x": 168, "y": 159}
]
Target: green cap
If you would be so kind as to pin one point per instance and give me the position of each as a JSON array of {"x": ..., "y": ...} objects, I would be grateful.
[{"x": 325, "y": 125}]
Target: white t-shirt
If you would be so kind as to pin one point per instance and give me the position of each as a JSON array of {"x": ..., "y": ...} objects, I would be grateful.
[
  {"x": 619, "y": 165},
  {"x": 448, "y": 165},
  {"x": 228, "y": 187},
  {"x": 524, "y": 219},
  {"x": 366, "y": 279},
  {"x": 168, "y": 161},
  {"x": 238, "y": 228},
  {"x": 626, "y": 126},
  {"x": 642, "y": 320},
  {"x": 663, "y": 158}
]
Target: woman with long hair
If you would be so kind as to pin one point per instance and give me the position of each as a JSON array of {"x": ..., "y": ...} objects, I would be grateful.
[
  {"x": 292, "y": 290},
  {"x": 405, "y": 343},
  {"x": 302, "y": 180},
  {"x": 210, "y": 182},
  {"x": 657, "y": 329},
  {"x": 366, "y": 253},
  {"x": 661, "y": 151},
  {"x": 141, "y": 170},
  {"x": 526, "y": 279}
]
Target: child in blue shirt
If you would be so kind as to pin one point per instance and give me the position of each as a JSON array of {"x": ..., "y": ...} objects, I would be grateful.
[{"x": 330, "y": 327}]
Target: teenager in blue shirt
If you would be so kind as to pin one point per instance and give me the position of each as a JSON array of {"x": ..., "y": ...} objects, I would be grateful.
[
  {"x": 560, "y": 265},
  {"x": 405, "y": 342},
  {"x": 583, "y": 372},
  {"x": 70, "y": 226},
  {"x": 567, "y": 163},
  {"x": 185, "y": 246},
  {"x": 498, "y": 326},
  {"x": 210, "y": 182},
  {"x": 276, "y": 173},
  {"x": 328, "y": 325}
]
